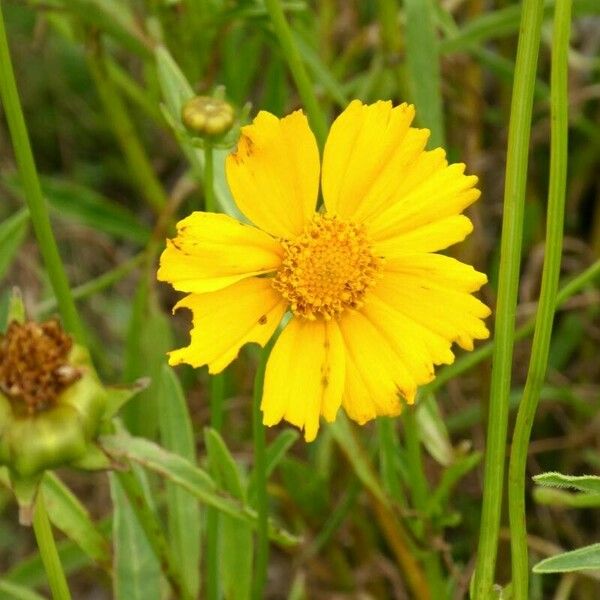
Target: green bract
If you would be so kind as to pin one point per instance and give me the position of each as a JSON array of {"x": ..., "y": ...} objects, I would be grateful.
[{"x": 59, "y": 435}]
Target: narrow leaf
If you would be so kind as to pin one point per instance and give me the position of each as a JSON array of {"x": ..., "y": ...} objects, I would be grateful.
[
  {"x": 12, "y": 235},
  {"x": 581, "y": 559},
  {"x": 581, "y": 483}
]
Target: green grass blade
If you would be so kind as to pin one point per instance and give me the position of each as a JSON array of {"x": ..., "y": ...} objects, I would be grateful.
[
  {"x": 177, "y": 436},
  {"x": 136, "y": 569},
  {"x": 423, "y": 73},
  {"x": 72, "y": 518},
  {"x": 12, "y": 234},
  {"x": 14, "y": 591}
]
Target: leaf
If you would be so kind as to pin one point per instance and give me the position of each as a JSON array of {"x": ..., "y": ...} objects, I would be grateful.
[
  {"x": 149, "y": 338},
  {"x": 433, "y": 431},
  {"x": 581, "y": 483},
  {"x": 180, "y": 471},
  {"x": 86, "y": 207},
  {"x": 12, "y": 234},
  {"x": 581, "y": 559},
  {"x": 423, "y": 67},
  {"x": 14, "y": 591},
  {"x": 356, "y": 456},
  {"x": 71, "y": 517},
  {"x": 177, "y": 436},
  {"x": 236, "y": 546},
  {"x": 223, "y": 465},
  {"x": 136, "y": 570}
]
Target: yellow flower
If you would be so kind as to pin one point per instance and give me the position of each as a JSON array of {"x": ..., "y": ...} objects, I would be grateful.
[{"x": 373, "y": 309}]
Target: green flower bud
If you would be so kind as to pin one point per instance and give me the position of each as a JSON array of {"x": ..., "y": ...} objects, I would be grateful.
[
  {"x": 51, "y": 401},
  {"x": 206, "y": 116}
]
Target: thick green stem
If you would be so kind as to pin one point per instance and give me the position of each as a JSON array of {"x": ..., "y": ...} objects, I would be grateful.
[
  {"x": 296, "y": 66},
  {"x": 48, "y": 552},
  {"x": 545, "y": 315},
  {"x": 260, "y": 468},
  {"x": 38, "y": 208},
  {"x": 510, "y": 259}
]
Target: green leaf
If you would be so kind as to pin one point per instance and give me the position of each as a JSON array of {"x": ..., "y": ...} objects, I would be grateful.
[
  {"x": 433, "y": 431},
  {"x": 561, "y": 498},
  {"x": 423, "y": 67},
  {"x": 177, "y": 436},
  {"x": 12, "y": 234},
  {"x": 149, "y": 338},
  {"x": 581, "y": 483},
  {"x": 136, "y": 569},
  {"x": 360, "y": 462},
  {"x": 181, "y": 472},
  {"x": 576, "y": 560},
  {"x": 86, "y": 207},
  {"x": 14, "y": 591},
  {"x": 72, "y": 518},
  {"x": 236, "y": 546},
  {"x": 223, "y": 465}
]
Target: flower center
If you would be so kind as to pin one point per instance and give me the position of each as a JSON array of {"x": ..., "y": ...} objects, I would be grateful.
[
  {"x": 34, "y": 365},
  {"x": 328, "y": 268}
]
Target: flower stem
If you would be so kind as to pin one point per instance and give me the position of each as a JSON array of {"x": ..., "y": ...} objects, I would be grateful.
[
  {"x": 545, "y": 315},
  {"x": 510, "y": 258},
  {"x": 296, "y": 66},
  {"x": 209, "y": 176},
  {"x": 260, "y": 468},
  {"x": 217, "y": 384},
  {"x": 48, "y": 552},
  {"x": 36, "y": 203}
]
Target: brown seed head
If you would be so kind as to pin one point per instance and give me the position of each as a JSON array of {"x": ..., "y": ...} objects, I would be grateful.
[{"x": 34, "y": 367}]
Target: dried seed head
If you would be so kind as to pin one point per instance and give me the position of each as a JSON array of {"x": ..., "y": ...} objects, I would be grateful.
[{"x": 34, "y": 367}]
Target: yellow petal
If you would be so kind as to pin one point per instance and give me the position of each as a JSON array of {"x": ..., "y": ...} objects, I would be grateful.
[
  {"x": 443, "y": 270},
  {"x": 368, "y": 152},
  {"x": 274, "y": 173},
  {"x": 304, "y": 378},
  {"x": 411, "y": 334},
  {"x": 428, "y": 238},
  {"x": 212, "y": 251},
  {"x": 377, "y": 381},
  {"x": 225, "y": 320},
  {"x": 440, "y": 194},
  {"x": 447, "y": 311}
]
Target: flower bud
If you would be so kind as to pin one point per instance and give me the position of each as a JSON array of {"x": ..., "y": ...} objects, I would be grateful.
[{"x": 206, "y": 116}]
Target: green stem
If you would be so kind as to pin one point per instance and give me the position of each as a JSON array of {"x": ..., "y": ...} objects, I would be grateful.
[
  {"x": 154, "y": 532},
  {"x": 472, "y": 359},
  {"x": 545, "y": 315},
  {"x": 296, "y": 66},
  {"x": 217, "y": 385},
  {"x": 510, "y": 259},
  {"x": 38, "y": 208},
  {"x": 48, "y": 552},
  {"x": 260, "y": 468},
  {"x": 135, "y": 155},
  {"x": 210, "y": 204},
  {"x": 388, "y": 454}
]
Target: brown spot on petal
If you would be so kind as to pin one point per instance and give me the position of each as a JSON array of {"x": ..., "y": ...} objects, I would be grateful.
[{"x": 262, "y": 320}]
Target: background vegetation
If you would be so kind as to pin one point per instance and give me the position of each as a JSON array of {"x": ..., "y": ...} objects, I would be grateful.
[{"x": 390, "y": 510}]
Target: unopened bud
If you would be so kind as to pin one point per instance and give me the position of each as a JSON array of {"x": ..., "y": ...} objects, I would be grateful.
[{"x": 207, "y": 116}]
